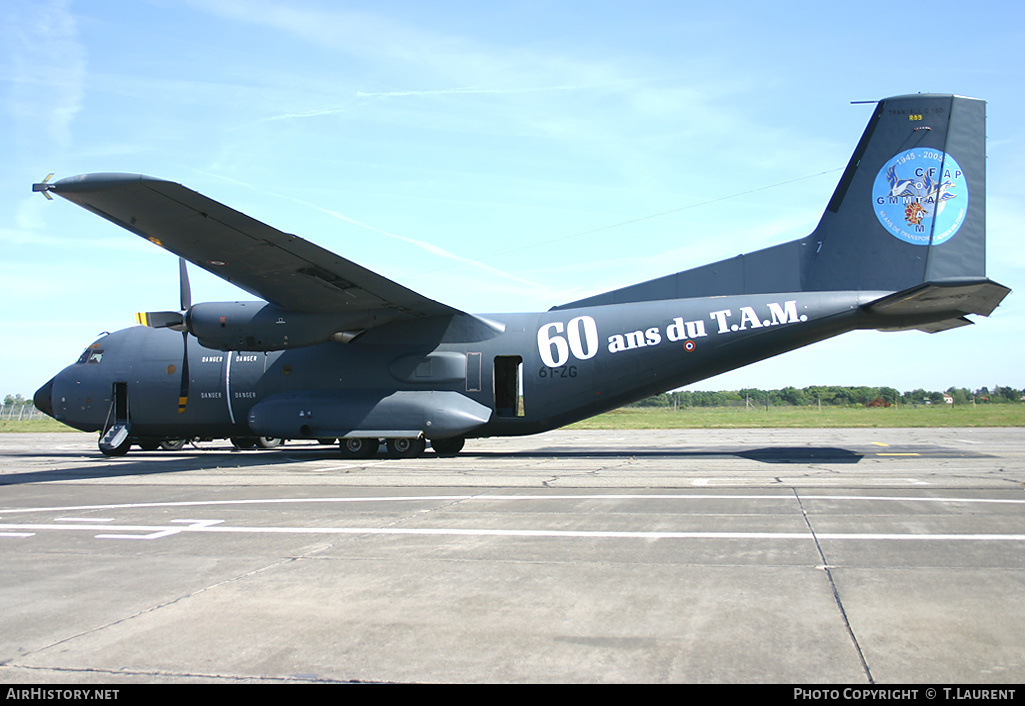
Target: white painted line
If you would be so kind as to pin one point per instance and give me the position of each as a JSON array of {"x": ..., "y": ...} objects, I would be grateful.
[
  {"x": 786, "y": 496},
  {"x": 214, "y": 526},
  {"x": 164, "y": 532},
  {"x": 897, "y": 498},
  {"x": 264, "y": 501},
  {"x": 344, "y": 466},
  {"x": 83, "y": 519}
]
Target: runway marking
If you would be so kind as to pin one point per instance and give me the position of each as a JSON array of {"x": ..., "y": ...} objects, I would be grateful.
[
  {"x": 181, "y": 526},
  {"x": 213, "y": 526},
  {"x": 160, "y": 533},
  {"x": 84, "y": 519},
  {"x": 509, "y": 498}
]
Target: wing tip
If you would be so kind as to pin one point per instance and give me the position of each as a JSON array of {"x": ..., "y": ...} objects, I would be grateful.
[{"x": 99, "y": 181}]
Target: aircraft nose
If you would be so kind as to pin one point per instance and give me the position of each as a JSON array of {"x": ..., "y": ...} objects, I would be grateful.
[{"x": 43, "y": 398}]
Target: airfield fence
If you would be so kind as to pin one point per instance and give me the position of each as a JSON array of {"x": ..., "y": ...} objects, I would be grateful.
[{"x": 20, "y": 412}]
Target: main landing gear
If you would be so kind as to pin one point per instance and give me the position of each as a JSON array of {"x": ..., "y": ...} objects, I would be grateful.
[
  {"x": 361, "y": 448},
  {"x": 261, "y": 442},
  {"x": 116, "y": 442}
]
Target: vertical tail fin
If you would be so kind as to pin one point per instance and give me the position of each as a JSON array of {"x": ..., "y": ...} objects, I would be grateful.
[
  {"x": 911, "y": 205},
  {"x": 910, "y": 209}
]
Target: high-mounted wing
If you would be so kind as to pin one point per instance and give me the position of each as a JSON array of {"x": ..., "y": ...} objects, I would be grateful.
[{"x": 282, "y": 269}]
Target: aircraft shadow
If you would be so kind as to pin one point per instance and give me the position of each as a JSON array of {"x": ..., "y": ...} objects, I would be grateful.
[
  {"x": 144, "y": 463},
  {"x": 775, "y": 454}
]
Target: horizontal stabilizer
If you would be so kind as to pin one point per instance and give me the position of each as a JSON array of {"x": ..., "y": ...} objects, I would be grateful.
[
  {"x": 946, "y": 325},
  {"x": 936, "y": 306},
  {"x": 973, "y": 297}
]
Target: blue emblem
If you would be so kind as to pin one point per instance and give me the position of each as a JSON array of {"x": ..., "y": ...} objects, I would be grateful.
[{"x": 921, "y": 196}]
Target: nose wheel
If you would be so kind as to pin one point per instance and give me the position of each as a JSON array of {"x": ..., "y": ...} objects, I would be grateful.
[{"x": 115, "y": 442}]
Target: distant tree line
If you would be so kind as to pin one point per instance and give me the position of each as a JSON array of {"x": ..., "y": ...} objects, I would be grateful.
[{"x": 833, "y": 395}]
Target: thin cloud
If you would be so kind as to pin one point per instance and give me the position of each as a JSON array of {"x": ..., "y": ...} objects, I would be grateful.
[
  {"x": 428, "y": 247},
  {"x": 422, "y": 244},
  {"x": 49, "y": 68},
  {"x": 476, "y": 90}
]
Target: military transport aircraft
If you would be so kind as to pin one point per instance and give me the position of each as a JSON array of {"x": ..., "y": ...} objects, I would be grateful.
[{"x": 335, "y": 351}]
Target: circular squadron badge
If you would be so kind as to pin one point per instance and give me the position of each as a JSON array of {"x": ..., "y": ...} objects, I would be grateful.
[{"x": 921, "y": 196}]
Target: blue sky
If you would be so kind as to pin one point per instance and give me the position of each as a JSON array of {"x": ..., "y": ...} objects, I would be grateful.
[{"x": 494, "y": 156}]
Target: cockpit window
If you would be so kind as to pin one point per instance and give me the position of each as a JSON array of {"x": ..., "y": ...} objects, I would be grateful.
[{"x": 90, "y": 356}]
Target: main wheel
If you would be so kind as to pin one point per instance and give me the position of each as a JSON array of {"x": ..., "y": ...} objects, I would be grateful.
[
  {"x": 448, "y": 447},
  {"x": 358, "y": 448},
  {"x": 406, "y": 448},
  {"x": 268, "y": 442}
]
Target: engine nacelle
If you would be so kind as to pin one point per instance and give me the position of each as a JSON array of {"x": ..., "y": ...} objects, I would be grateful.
[{"x": 259, "y": 326}]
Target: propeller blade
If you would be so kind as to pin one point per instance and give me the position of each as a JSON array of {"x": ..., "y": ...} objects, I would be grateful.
[
  {"x": 175, "y": 320},
  {"x": 171, "y": 319},
  {"x": 185, "y": 294},
  {"x": 183, "y": 392},
  {"x": 161, "y": 319},
  {"x": 185, "y": 288}
]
